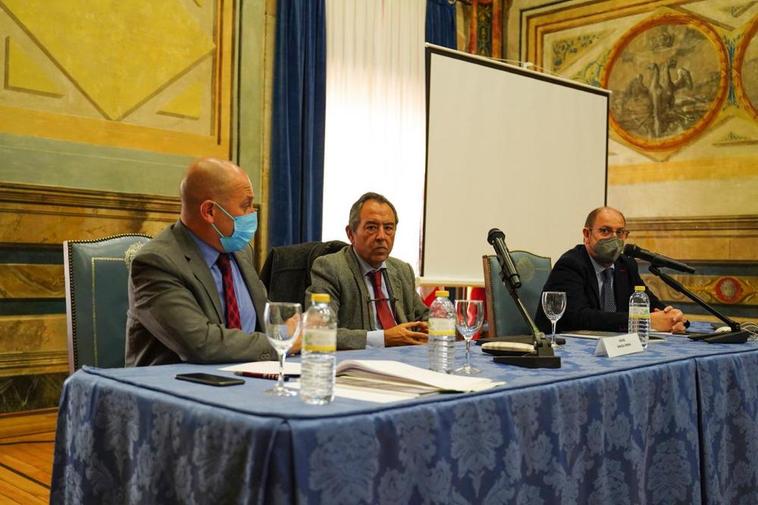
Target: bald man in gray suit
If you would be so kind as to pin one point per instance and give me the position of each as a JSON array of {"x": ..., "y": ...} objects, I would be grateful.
[
  {"x": 372, "y": 294},
  {"x": 194, "y": 295}
]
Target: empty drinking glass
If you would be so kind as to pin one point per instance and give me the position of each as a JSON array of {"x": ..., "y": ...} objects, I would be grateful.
[
  {"x": 469, "y": 315},
  {"x": 283, "y": 322},
  {"x": 554, "y": 305}
]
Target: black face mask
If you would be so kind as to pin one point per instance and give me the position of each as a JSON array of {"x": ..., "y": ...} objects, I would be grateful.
[{"x": 609, "y": 249}]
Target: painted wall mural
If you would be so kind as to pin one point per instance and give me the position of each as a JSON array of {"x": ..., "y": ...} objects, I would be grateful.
[
  {"x": 669, "y": 77},
  {"x": 684, "y": 77},
  {"x": 683, "y": 136},
  {"x": 480, "y": 26},
  {"x": 142, "y": 74}
]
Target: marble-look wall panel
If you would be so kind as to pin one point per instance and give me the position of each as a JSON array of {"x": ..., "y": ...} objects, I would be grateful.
[
  {"x": 31, "y": 281},
  {"x": 37, "y": 219},
  {"x": 724, "y": 252},
  {"x": 30, "y": 392},
  {"x": 725, "y": 238},
  {"x": 26, "y": 334}
]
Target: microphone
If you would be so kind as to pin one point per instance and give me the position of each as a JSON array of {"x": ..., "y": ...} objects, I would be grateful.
[
  {"x": 656, "y": 259},
  {"x": 497, "y": 239}
]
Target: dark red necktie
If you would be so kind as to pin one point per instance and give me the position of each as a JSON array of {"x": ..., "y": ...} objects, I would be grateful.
[
  {"x": 383, "y": 311},
  {"x": 232, "y": 309}
]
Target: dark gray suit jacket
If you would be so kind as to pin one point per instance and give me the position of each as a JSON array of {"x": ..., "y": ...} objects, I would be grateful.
[
  {"x": 175, "y": 311},
  {"x": 339, "y": 275}
]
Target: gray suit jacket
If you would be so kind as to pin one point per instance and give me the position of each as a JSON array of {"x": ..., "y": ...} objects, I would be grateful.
[
  {"x": 174, "y": 309},
  {"x": 339, "y": 275}
]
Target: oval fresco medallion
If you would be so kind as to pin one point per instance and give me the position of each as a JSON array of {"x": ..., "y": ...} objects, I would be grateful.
[
  {"x": 745, "y": 70},
  {"x": 669, "y": 80}
]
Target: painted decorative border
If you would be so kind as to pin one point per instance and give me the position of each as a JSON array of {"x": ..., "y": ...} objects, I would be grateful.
[
  {"x": 739, "y": 59},
  {"x": 704, "y": 223},
  {"x": 700, "y": 126}
]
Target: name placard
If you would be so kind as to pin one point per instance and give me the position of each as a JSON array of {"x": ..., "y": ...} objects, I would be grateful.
[{"x": 619, "y": 345}]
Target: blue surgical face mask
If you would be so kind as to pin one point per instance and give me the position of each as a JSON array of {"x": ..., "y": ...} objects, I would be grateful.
[{"x": 244, "y": 231}]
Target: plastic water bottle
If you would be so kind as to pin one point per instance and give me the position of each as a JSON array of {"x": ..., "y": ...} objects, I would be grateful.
[
  {"x": 442, "y": 333},
  {"x": 319, "y": 349},
  {"x": 639, "y": 314}
]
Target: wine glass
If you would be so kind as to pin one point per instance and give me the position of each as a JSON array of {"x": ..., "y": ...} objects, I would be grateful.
[
  {"x": 283, "y": 323},
  {"x": 469, "y": 315},
  {"x": 554, "y": 305}
]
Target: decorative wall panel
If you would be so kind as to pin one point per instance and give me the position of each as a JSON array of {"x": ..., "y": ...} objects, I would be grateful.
[
  {"x": 684, "y": 133},
  {"x": 140, "y": 74},
  {"x": 683, "y": 150},
  {"x": 34, "y": 221}
]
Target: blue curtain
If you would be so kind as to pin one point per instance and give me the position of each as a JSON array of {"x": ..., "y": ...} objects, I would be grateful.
[
  {"x": 297, "y": 132},
  {"x": 440, "y": 23}
]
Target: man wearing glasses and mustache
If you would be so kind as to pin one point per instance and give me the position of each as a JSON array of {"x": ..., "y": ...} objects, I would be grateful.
[
  {"x": 372, "y": 293},
  {"x": 598, "y": 281}
]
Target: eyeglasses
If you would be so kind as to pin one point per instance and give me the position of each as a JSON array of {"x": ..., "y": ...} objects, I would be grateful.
[{"x": 606, "y": 231}]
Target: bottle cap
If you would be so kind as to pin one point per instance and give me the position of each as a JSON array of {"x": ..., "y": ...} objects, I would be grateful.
[
  {"x": 320, "y": 298},
  {"x": 441, "y": 292},
  {"x": 639, "y": 288}
]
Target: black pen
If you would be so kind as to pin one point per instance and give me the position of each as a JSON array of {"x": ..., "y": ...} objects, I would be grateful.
[{"x": 267, "y": 376}]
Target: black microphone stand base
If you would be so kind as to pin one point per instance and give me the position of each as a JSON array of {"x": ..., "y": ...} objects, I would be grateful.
[
  {"x": 543, "y": 357},
  {"x": 728, "y": 337}
]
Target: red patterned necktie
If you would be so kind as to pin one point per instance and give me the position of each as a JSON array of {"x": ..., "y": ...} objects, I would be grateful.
[
  {"x": 232, "y": 309},
  {"x": 383, "y": 312}
]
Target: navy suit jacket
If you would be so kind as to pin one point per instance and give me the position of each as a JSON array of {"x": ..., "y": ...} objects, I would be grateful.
[{"x": 575, "y": 274}]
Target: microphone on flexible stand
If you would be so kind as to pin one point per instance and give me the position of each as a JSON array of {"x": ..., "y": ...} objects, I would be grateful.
[
  {"x": 508, "y": 271},
  {"x": 543, "y": 355},
  {"x": 657, "y": 261}
]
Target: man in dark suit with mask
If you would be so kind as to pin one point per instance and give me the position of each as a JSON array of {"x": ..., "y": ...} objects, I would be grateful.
[
  {"x": 194, "y": 294},
  {"x": 598, "y": 281}
]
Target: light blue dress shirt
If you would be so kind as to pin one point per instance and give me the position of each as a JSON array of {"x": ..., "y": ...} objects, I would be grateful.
[{"x": 244, "y": 301}]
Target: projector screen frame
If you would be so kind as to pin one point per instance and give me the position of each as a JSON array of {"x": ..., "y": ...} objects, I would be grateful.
[{"x": 430, "y": 50}]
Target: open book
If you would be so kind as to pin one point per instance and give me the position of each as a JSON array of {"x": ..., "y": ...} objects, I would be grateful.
[
  {"x": 381, "y": 380},
  {"x": 394, "y": 375}
]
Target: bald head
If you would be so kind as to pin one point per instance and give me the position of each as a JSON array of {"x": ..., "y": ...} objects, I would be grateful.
[
  {"x": 605, "y": 211},
  {"x": 210, "y": 183},
  {"x": 209, "y": 179}
]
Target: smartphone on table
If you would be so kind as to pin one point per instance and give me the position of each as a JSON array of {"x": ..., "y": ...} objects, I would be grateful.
[{"x": 209, "y": 379}]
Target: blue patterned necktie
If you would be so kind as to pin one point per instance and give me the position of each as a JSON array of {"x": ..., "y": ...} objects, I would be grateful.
[{"x": 606, "y": 293}]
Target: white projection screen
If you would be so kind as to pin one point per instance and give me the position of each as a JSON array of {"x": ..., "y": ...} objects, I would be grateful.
[{"x": 507, "y": 148}]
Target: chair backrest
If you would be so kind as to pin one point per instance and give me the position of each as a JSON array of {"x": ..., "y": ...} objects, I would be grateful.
[
  {"x": 503, "y": 317},
  {"x": 287, "y": 270},
  {"x": 97, "y": 273}
]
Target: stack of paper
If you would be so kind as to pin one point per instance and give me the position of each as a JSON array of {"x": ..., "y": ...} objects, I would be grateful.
[{"x": 381, "y": 380}]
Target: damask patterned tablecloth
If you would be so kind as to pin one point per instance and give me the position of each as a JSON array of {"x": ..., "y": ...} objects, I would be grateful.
[
  {"x": 728, "y": 409},
  {"x": 626, "y": 430}
]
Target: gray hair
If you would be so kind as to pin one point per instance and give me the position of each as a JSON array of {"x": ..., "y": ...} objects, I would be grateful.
[{"x": 355, "y": 210}]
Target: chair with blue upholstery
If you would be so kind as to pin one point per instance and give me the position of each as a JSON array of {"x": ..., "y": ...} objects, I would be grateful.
[
  {"x": 503, "y": 318},
  {"x": 97, "y": 273}
]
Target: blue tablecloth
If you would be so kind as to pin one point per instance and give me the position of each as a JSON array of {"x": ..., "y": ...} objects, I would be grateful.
[{"x": 676, "y": 424}]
